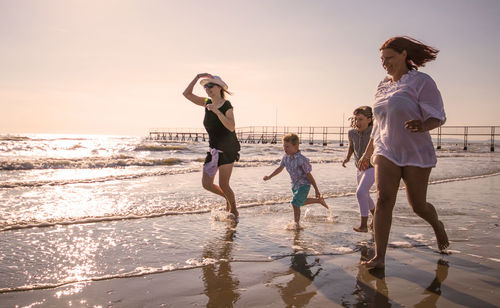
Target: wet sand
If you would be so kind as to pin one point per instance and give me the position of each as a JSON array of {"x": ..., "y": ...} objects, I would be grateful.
[
  {"x": 414, "y": 277},
  {"x": 418, "y": 276}
]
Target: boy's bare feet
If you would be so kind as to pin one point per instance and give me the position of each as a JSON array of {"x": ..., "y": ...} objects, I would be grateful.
[
  {"x": 373, "y": 263},
  {"x": 322, "y": 201},
  {"x": 441, "y": 237},
  {"x": 360, "y": 229}
]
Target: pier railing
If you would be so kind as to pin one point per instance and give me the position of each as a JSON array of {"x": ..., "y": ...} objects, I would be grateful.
[{"x": 455, "y": 135}]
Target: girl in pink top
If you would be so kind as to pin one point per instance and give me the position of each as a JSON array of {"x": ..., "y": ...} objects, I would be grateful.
[{"x": 407, "y": 106}]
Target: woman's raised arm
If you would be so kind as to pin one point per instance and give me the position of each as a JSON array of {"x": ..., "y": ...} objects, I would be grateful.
[{"x": 188, "y": 93}]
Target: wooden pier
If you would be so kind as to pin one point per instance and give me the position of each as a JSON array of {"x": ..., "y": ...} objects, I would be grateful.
[{"x": 328, "y": 135}]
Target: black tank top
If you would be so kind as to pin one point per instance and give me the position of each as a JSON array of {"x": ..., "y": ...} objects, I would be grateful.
[{"x": 219, "y": 137}]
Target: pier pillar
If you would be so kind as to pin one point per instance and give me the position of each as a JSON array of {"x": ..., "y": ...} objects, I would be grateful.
[
  {"x": 492, "y": 143},
  {"x": 466, "y": 130}
]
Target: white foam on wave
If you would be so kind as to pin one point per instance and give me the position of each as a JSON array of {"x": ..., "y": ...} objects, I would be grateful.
[
  {"x": 494, "y": 259},
  {"x": 318, "y": 215},
  {"x": 473, "y": 245},
  {"x": 293, "y": 226},
  {"x": 219, "y": 215},
  {"x": 343, "y": 250},
  {"x": 98, "y": 179},
  {"x": 465, "y": 178},
  {"x": 400, "y": 245},
  {"x": 415, "y": 237}
]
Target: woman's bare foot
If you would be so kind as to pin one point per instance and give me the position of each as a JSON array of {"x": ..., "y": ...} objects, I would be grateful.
[
  {"x": 322, "y": 201},
  {"x": 360, "y": 229},
  {"x": 441, "y": 237},
  {"x": 374, "y": 263}
]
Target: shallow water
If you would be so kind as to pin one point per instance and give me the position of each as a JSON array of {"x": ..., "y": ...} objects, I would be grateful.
[{"x": 70, "y": 222}]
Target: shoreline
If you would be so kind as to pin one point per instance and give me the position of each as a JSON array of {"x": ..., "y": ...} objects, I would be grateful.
[
  {"x": 415, "y": 274},
  {"x": 416, "y": 277}
]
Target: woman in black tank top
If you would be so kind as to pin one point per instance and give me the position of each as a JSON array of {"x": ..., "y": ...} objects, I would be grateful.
[{"x": 224, "y": 145}]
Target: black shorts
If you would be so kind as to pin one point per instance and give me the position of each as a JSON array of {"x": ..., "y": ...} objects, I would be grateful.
[{"x": 224, "y": 158}]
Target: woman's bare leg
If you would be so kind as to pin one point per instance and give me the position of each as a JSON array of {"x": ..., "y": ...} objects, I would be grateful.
[
  {"x": 416, "y": 180},
  {"x": 224, "y": 177},
  {"x": 387, "y": 179},
  {"x": 208, "y": 184}
]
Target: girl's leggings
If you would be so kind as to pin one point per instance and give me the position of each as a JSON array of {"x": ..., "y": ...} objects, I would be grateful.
[{"x": 365, "y": 181}]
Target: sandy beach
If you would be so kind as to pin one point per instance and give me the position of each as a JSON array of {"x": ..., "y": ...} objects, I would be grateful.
[{"x": 415, "y": 275}]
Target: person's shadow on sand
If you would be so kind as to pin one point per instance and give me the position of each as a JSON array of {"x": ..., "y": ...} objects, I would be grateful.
[
  {"x": 294, "y": 293},
  {"x": 220, "y": 283}
]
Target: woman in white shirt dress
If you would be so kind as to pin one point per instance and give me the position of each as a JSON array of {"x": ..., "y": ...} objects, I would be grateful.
[{"x": 407, "y": 106}]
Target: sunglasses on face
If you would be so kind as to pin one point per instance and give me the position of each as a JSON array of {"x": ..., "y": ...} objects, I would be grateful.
[{"x": 209, "y": 85}]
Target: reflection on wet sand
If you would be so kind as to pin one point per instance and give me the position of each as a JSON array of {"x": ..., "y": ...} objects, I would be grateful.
[
  {"x": 371, "y": 288},
  {"x": 220, "y": 283},
  {"x": 294, "y": 292},
  {"x": 434, "y": 289}
]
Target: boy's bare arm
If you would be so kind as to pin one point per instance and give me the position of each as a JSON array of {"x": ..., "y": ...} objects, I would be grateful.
[
  {"x": 275, "y": 172},
  {"x": 313, "y": 183}
]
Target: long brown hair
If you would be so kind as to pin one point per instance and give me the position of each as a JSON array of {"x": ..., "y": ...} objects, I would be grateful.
[{"x": 417, "y": 52}]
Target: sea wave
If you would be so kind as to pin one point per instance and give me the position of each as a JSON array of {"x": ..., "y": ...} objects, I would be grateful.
[
  {"x": 152, "y": 213},
  {"x": 23, "y": 224},
  {"x": 84, "y": 163},
  {"x": 256, "y": 161},
  {"x": 13, "y": 138},
  {"x": 36, "y": 183},
  {"x": 157, "y": 148},
  {"x": 118, "y": 161}
]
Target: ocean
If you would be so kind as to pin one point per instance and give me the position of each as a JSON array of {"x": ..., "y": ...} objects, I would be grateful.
[{"x": 80, "y": 208}]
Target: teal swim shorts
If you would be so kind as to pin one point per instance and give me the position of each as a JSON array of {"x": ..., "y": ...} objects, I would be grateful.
[{"x": 300, "y": 195}]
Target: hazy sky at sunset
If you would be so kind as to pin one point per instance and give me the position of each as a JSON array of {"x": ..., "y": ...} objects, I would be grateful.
[{"x": 120, "y": 67}]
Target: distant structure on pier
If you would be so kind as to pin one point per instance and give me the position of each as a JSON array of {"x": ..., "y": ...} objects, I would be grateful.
[{"x": 325, "y": 135}]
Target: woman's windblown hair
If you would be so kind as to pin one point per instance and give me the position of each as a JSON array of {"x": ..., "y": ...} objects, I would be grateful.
[{"x": 417, "y": 52}]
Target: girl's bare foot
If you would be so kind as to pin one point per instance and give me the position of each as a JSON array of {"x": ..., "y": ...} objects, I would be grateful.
[
  {"x": 441, "y": 237},
  {"x": 235, "y": 212},
  {"x": 360, "y": 229},
  {"x": 373, "y": 263},
  {"x": 322, "y": 201}
]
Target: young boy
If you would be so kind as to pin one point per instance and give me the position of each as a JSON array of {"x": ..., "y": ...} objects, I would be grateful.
[{"x": 299, "y": 168}]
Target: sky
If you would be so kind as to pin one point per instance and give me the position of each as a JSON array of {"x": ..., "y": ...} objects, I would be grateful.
[{"x": 120, "y": 66}]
